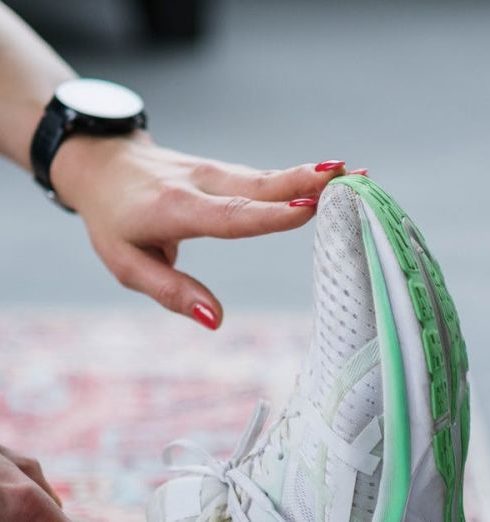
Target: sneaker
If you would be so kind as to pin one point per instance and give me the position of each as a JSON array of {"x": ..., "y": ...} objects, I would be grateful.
[{"x": 378, "y": 426}]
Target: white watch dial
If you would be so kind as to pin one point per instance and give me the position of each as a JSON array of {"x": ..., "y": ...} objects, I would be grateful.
[{"x": 99, "y": 98}]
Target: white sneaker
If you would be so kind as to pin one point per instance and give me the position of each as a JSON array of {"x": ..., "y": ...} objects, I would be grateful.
[{"x": 378, "y": 426}]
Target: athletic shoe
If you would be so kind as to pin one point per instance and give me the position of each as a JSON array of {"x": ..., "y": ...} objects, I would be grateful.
[{"x": 378, "y": 426}]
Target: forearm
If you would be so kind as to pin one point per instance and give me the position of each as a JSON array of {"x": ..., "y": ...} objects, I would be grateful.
[{"x": 29, "y": 73}]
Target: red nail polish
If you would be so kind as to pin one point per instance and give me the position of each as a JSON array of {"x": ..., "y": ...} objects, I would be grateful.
[
  {"x": 329, "y": 165},
  {"x": 205, "y": 316},
  {"x": 303, "y": 202},
  {"x": 360, "y": 172}
]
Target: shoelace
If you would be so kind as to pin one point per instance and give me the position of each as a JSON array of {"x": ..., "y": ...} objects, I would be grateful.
[{"x": 227, "y": 472}]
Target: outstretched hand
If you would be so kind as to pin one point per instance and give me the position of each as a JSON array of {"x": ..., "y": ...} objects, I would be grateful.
[{"x": 139, "y": 201}]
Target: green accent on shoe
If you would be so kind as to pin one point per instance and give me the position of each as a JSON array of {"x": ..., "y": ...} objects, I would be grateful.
[
  {"x": 465, "y": 441},
  {"x": 449, "y": 389},
  {"x": 397, "y": 457}
]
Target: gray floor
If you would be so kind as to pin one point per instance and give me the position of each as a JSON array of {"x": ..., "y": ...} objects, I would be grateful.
[{"x": 402, "y": 90}]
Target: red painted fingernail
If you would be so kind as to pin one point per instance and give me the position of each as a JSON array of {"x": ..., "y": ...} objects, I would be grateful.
[
  {"x": 360, "y": 172},
  {"x": 205, "y": 316},
  {"x": 329, "y": 165},
  {"x": 303, "y": 202}
]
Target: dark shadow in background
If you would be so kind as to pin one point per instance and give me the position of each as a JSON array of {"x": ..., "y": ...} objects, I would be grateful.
[
  {"x": 110, "y": 25},
  {"x": 105, "y": 26}
]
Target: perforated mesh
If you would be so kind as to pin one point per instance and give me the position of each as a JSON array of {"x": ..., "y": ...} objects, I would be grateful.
[
  {"x": 341, "y": 376},
  {"x": 299, "y": 500},
  {"x": 303, "y": 494},
  {"x": 360, "y": 405},
  {"x": 366, "y": 492},
  {"x": 344, "y": 323}
]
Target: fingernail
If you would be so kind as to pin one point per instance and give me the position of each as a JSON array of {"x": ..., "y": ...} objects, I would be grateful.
[
  {"x": 329, "y": 165},
  {"x": 205, "y": 316},
  {"x": 303, "y": 202},
  {"x": 360, "y": 172}
]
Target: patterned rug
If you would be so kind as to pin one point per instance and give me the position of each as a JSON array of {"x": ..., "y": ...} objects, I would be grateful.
[{"x": 96, "y": 395}]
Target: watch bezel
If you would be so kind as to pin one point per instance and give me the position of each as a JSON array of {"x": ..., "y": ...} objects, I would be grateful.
[
  {"x": 76, "y": 121},
  {"x": 100, "y": 99}
]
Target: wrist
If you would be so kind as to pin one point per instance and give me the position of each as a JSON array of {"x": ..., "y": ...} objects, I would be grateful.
[
  {"x": 71, "y": 166},
  {"x": 82, "y": 160}
]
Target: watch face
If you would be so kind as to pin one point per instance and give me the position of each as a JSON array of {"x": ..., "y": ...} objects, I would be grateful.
[{"x": 99, "y": 98}]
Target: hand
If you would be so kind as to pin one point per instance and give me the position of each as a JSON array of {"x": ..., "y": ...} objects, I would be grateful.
[
  {"x": 139, "y": 201},
  {"x": 25, "y": 495}
]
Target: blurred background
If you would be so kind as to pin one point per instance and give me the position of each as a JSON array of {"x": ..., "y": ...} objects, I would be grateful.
[
  {"x": 95, "y": 379},
  {"x": 400, "y": 88}
]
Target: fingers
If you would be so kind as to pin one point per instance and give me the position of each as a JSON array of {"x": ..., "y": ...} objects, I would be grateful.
[
  {"x": 236, "y": 217},
  {"x": 32, "y": 469},
  {"x": 276, "y": 185},
  {"x": 22, "y": 499},
  {"x": 148, "y": 273}
]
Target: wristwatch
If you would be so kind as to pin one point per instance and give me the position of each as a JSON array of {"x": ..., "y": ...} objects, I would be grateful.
[{"x": 86, "y": 106}]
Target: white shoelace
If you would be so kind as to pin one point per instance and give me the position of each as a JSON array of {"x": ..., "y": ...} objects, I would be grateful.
[{"x": 227, "y": 472}]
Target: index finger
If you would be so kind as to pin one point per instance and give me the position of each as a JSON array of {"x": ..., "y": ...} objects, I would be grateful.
[{"x": 274, "y": 185}]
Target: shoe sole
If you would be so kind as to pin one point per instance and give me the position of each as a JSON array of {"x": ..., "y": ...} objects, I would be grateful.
[{"x": 444, "y": 354}]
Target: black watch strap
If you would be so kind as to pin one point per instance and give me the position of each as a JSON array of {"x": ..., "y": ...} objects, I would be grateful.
[
  {"x": 58, "y": 123},
  {"x": 50, "y": 133}
]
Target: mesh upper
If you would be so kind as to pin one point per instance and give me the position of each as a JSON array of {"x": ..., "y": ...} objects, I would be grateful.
[
  {"x": 341, "y": 378},
  {"x": 344, "y": 323},
  {"x": 302, "y": 500}
]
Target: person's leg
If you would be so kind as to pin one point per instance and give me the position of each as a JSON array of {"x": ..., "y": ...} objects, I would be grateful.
[{"x": 377, "y": 428}]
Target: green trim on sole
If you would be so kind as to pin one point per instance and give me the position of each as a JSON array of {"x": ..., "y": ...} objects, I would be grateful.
[
  {"x": 397, "y": 456},
  {"x": 445, "y": 351}
]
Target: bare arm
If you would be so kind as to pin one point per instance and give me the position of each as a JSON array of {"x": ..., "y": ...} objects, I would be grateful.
[{"x": 30, "y": 71}]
